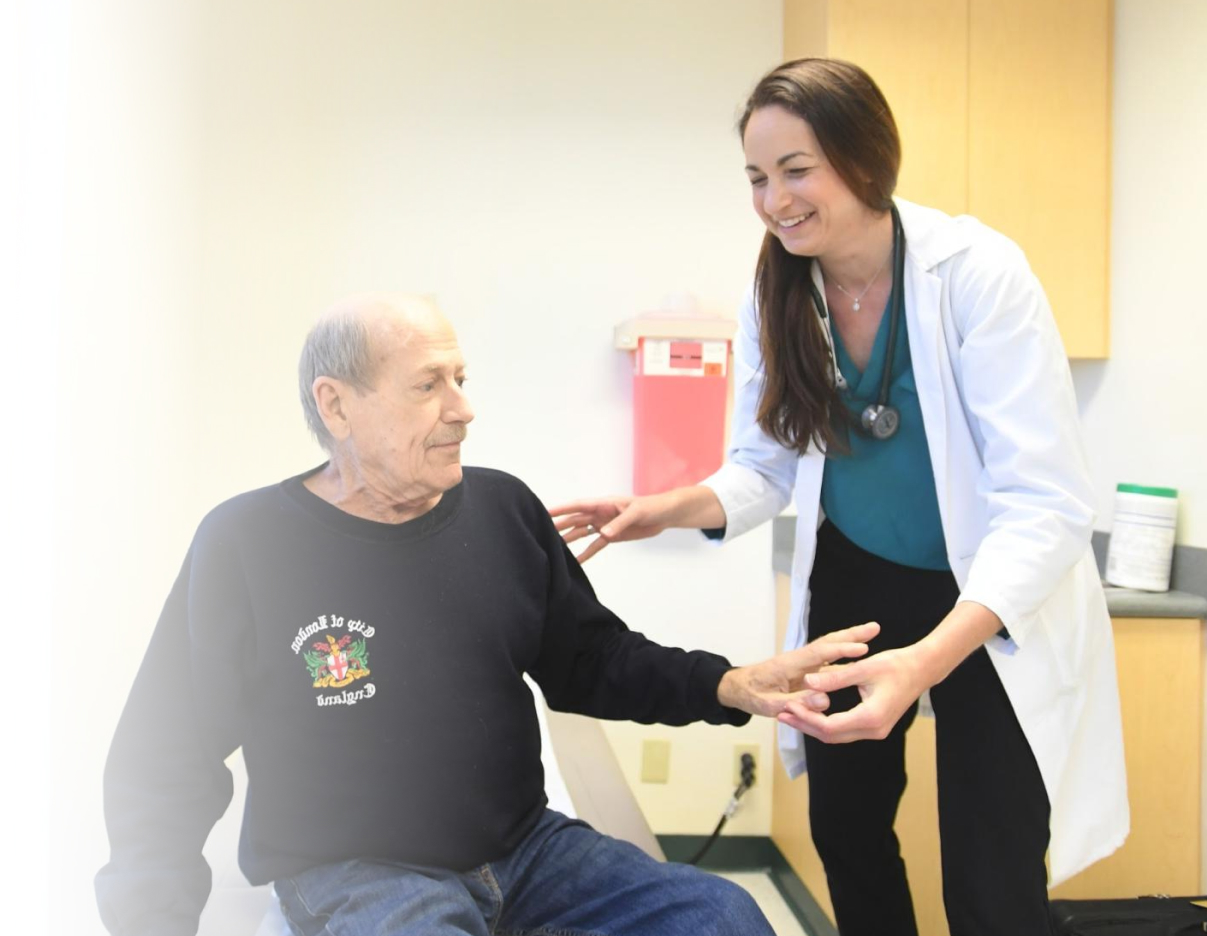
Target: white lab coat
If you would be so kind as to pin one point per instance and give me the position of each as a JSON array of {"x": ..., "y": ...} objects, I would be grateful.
[{"x": 1014, "y": 498}]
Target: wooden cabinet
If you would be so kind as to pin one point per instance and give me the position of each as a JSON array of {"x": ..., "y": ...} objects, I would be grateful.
[
  {"x": 917, "y": 53},
  {"x": 1039, "y": 148},
  {"x": 1160, "y": 666},
  {"x": 1004, "y": 113}
]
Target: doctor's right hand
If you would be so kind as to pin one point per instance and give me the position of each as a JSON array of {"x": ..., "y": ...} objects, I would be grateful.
[
  {"x": 621, "y": 519},
  {"x": 612, "y": 520}
]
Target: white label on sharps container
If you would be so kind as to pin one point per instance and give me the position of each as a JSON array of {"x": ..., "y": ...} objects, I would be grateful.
[
  {"x": 683, "y": 357},
  {"x": 716, "y": 356}
]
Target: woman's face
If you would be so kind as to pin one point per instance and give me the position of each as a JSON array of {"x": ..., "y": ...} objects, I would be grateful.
[{"x": 796, "y": 191}]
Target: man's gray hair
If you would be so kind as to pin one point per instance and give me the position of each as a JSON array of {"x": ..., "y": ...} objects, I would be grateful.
[{"x": 337, "y": 347}]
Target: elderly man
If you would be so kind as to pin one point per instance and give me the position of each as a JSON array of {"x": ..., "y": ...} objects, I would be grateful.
[{"x": 363, "y": 630}]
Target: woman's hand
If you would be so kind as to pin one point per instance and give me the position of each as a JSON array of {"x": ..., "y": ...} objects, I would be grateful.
[
  {"x": 611, "y": 520},
  {"x": 621, "y": 519},
  {"x": 889, "y": 683}
]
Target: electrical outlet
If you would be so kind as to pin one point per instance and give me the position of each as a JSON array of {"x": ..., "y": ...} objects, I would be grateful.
[
  {"x": 655, "y": 761},
  {"x": 738, "y": 751}
]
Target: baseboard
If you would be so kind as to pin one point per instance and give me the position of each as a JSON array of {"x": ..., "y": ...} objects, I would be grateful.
[{"x": 753, "y": 853}]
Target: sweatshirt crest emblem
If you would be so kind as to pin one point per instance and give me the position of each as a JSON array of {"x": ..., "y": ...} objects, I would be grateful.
[{"x": 335, "y": 663}]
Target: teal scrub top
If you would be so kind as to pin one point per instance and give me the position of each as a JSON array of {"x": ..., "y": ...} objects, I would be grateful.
[{"x": 882, "y": 495}]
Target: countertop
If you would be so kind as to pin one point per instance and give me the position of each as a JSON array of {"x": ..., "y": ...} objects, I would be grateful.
[
  {"x": 1121, "y": 602},
  {"x": 1126, "y": 602}
]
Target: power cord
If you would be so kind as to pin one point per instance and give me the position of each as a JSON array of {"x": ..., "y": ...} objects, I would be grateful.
[{"x": 747, "y": 775}]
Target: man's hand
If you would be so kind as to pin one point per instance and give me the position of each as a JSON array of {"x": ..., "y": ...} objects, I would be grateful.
[{"x": 768, "y": 688}]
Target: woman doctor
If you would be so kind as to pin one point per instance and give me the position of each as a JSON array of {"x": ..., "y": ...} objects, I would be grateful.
[{"x": 899, "y": 374}]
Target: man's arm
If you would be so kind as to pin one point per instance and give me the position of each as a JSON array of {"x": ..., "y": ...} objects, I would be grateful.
[
  {"x": 165, "y": 787},
  {"x": 591, "y": 663}
]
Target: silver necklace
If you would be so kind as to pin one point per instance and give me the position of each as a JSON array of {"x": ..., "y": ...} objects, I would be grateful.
[{"x": 871, "y": 283}]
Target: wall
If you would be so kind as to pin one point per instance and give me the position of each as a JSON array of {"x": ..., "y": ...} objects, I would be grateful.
[
  {"x": 1140, "y": 407},
  {"x": 120, "y": 480},
  {"x": 547, "y": 169},
  {"x": 32, "y": 104}
]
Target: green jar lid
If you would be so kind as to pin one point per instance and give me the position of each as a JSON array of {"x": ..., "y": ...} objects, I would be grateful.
[{"x": 1152, "y": 491}]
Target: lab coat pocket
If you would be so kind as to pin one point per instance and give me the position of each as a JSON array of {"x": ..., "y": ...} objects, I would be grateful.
[{"x": 1064, "y": 623}]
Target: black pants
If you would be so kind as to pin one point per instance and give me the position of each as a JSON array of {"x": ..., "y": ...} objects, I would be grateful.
[{"x": 993, "y": 809}]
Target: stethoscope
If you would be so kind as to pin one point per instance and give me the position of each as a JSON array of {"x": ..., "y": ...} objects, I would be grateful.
[{"x": 880, "y": 419}]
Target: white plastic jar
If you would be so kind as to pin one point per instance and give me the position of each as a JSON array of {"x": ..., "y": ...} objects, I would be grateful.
[{"x": 1142, "y": 538}]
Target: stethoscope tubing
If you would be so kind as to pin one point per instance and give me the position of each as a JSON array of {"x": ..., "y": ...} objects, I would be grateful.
[
  {"x": 896, "y": 309},
  {"x": 896, "y": 303}
]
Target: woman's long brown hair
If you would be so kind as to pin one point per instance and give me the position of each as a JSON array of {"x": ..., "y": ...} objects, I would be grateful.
[{"x": 854, "y": 126}]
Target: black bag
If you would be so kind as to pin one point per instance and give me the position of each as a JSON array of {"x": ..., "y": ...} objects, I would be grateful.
[{"x": 1137, "y": 916}]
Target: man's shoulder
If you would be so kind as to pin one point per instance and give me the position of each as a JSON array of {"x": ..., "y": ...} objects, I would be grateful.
[
  {"x": 492, "y": 479},
  {"x": 238, "y": 512},
  {"x": 502, "y": 490}
]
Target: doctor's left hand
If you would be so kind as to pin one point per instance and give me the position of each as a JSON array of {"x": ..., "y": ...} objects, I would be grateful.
[
  {"x": 888, "y": 683},
  {"x": 767, "y": 688}
]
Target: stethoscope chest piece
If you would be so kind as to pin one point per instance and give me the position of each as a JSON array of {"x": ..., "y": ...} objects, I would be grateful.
[{"x": 882, "y": 421}]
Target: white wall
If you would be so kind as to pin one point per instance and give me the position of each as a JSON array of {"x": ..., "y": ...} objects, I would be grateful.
[
  {"x": 1141, "y": 407},
  {"x": 120, "y": 482},
  {"x": 32, "y": 97},
  {"x": 546, "y": 168}
]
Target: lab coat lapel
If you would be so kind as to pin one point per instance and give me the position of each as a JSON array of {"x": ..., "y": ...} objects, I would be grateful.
[
  {"x": 928, "y": 357},
  {"x": 931, "y": 238}
]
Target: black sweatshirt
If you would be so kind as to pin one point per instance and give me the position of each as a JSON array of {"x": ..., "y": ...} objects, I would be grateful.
[{"x": 373, "y": 674}]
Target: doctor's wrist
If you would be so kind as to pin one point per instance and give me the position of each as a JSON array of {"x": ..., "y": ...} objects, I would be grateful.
[
  {"x": 934, "y": 660},
  {"x": 965, "y": 629},
  {"x": 694, "y": 508}
]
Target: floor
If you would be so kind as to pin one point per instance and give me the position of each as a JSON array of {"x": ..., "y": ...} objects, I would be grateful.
[{"x": 760, "y": 887}]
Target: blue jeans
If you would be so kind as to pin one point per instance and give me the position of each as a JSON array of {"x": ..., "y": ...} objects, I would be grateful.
[{"x": 564, "y": 879}]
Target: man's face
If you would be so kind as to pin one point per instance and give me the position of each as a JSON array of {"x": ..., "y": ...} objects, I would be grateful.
[{"x": 406, "y": 432}]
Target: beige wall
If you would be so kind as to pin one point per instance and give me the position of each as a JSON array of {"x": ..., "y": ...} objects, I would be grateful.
[
  {"x": 1140, "y": 407},
  {"x": 547, "y": 169}
]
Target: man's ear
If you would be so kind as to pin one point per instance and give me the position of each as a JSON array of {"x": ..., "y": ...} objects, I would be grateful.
[{"x": 330, "y": 395}]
